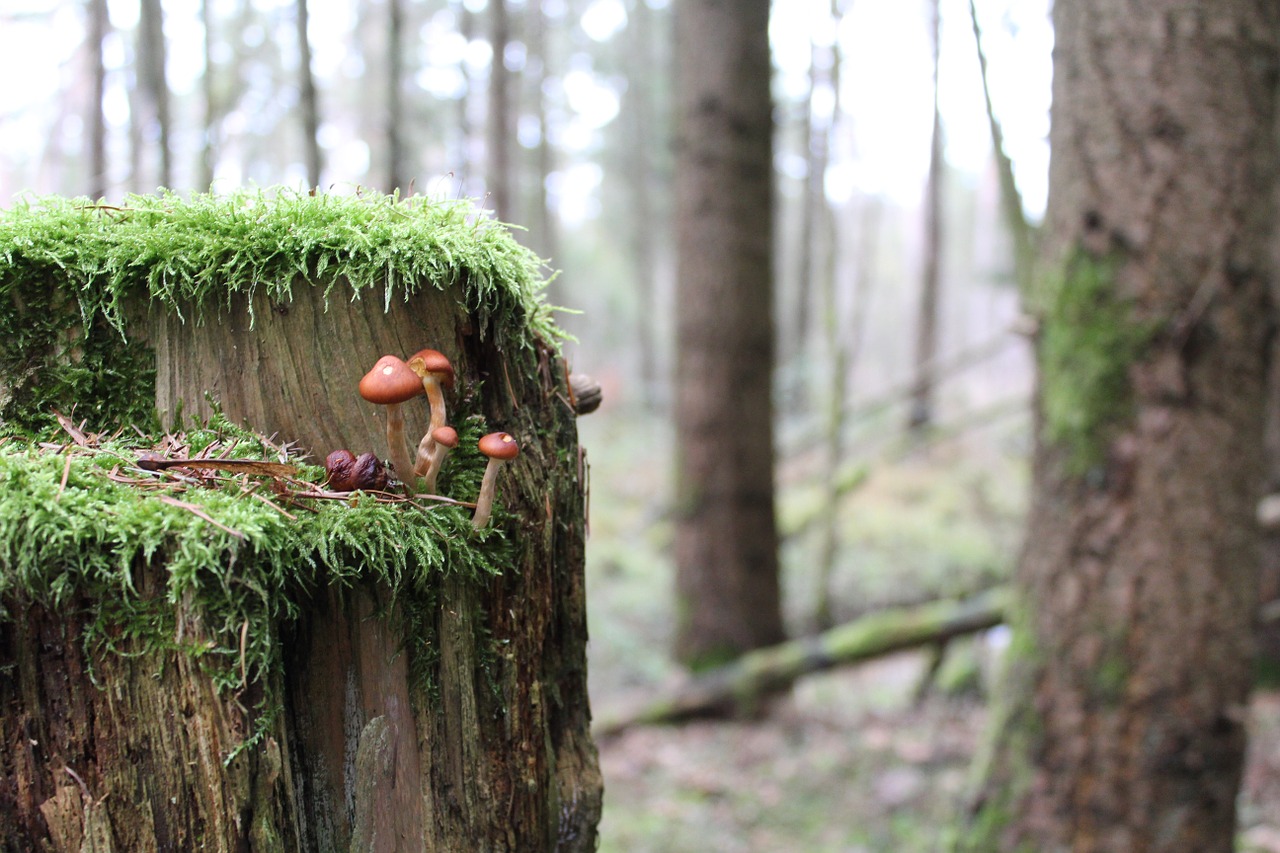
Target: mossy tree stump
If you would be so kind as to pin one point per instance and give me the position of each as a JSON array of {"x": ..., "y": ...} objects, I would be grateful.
[{"x": 250, "y": 674}]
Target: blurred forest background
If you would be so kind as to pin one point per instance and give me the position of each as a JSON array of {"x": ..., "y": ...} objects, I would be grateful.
[{"x": 902, "y": 454}]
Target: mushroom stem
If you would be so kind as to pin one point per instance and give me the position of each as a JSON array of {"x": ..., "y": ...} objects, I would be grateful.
[
  {"x": 427, "y": 444},
  {"x": 395, "y": 440},
  {"x": 435, "y": 398},
  {"x": 499, "y": 447},
  {"x": 445, "y": 438},
  {"x": 488, "y": 487}
]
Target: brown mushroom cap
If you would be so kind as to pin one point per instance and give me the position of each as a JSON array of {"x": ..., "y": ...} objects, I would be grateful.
[
  {"x": 390, "y": 381},
  {"x": 445, "y": 435},
  {"x": 430, "y": 362},
  {"x": 499, "y": 445}
]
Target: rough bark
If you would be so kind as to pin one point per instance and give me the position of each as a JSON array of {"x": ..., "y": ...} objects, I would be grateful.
[
  {"x": 497, "y": 756},
  {"x": 1124, "y": 720},
  {"x": 726, "y": 535}
]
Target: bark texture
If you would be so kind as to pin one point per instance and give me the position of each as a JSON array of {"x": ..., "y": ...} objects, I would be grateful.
[
  {"x": 496, "y": 757},
  {"x": 1124, "y": 720},
  {"x": 726, "y": 537}
]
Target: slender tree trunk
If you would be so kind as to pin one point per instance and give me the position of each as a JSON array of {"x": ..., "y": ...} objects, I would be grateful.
[
  {"x": 1015, "y": 217},
  {"x": 1124, "y": 718},
  {"x": 154, "y": 87},
  {"x": 726, "y": 536},
  {"x": 96, "y": 140},
  {"x": 310, "y": 102},
  {"x": 464, "y": 164},
  {"x": 813, "y": 204},
  {"x": 212, "y": 111},
  {"x": 543, "y": 220},
  {"x": 640, "y": 144},
  {"x": 847, "y": 347},
  {"x": 498, "y": 172},
  {"x": 926, "y": 352},
  {"x": 396, "y": 179}
]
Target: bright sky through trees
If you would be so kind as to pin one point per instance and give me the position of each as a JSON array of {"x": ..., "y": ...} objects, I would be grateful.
[{"x": 882, "y": 148}]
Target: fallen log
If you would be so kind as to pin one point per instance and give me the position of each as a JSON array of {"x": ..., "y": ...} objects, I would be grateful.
[{"x": 740, "y": 685}]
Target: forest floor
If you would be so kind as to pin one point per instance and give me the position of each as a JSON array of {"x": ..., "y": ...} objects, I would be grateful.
[{"x": 851, "y": 760}]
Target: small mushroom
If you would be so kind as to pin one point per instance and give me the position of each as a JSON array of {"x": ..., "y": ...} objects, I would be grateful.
[
  {"x": 389, "y": 384},
  {"x": 446, "y": 438},
  {"x": 585, "y": 394},
  {"x": 436, "y": 373},
  {"x": 500, "y": 447}
]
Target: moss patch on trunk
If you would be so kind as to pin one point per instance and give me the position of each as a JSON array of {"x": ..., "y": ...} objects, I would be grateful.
[{"x": 1091, "y": 336}]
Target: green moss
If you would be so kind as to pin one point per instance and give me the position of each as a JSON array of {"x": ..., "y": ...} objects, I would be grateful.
[
  {"x": 82, "y": 529},
  {"x": 229, "y": 564},
  {"x": 1090, "y": 339},
  {"x": 71, "y": 268}
]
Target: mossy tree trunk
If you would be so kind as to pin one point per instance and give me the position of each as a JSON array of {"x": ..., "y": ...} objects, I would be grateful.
[
  {"x": 480, "y": 744},
  {"x": 1124, "y": 711}
]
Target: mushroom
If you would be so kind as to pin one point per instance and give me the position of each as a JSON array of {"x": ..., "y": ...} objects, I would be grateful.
[
  {"x": 584, "y": 393},
  {"x": 446, "y": 438},
  {"x": 389, "y": 384},
  {"x": 499, "y": 447},
  {"x": 436, "y": 373}
]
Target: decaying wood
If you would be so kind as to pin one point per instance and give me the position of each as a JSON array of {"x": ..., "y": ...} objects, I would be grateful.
[
  {"x": 751, "y": 678},
  {"x": 494, "y": 753}
]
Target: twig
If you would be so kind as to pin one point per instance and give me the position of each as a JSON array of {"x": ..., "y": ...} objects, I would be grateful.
[{"x": 66, "y": 472}]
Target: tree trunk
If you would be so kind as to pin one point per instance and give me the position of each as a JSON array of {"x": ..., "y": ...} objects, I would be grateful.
[
  {"x": 1130, "y": 668},
  {"x": 643, "y": 136},
  {"x": 499, "y": 178},
  {"x": 543, "y": 229},
  {"x": 921, "y": 414},
  {"x": 309, "y": 106},
  {"x": 726, "y": 539},
  {"x": 130, "y": 745},
  {"x": 153, "y": 85},
  {"x": 395, "y": 101},
  {"x": 212, "y": 109},
  {"x": 1021, "y": 231},
  {"x": 96, "y": 138}
]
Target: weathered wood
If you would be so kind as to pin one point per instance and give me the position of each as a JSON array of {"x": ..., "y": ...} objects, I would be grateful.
[
  {"x": 481, "y": 742},
  {"x": 750, "y": 679},
  {"x": 293, "y": 368}
]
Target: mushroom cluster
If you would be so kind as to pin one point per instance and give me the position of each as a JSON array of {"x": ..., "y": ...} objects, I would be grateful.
[{"x": 393, "y": 382}]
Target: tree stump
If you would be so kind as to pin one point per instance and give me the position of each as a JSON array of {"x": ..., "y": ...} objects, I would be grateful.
[{"x": 387, "y": 689}]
